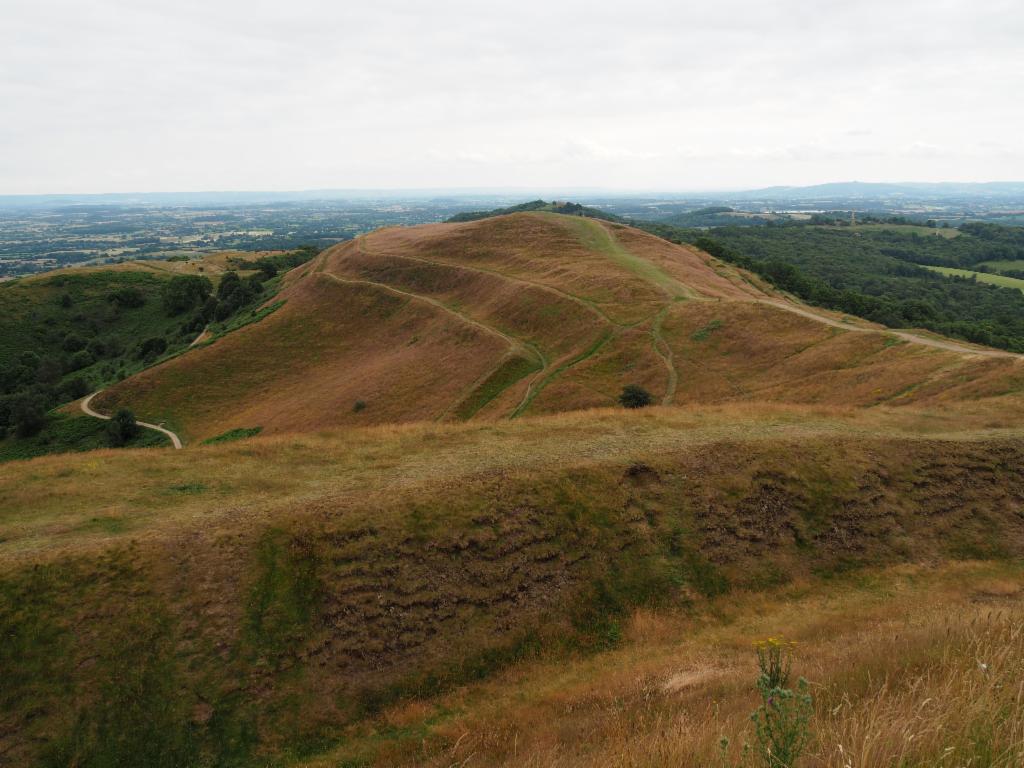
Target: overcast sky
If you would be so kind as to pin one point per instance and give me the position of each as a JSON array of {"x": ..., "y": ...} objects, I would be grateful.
[{"x": 168, "y": 95}]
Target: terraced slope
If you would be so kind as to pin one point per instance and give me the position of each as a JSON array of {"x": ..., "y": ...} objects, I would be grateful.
[
  {"x": 241, "y": 604},
  {"x": 537, "y": 313}
]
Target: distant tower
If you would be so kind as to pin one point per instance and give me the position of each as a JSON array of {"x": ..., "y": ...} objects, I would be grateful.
[{"x": 853, "y": 218}]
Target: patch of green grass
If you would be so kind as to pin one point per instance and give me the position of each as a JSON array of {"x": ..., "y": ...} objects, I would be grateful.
[
  {"x": 706, "y": 331},
  {"x": 1004, "y": 265},
  {"x": 982, "y": 277},
  {"x": 284, "y": 594},
  {"x": 239, "y": 433},
  {"x": 246, "y": 318},
  {"x": 594, "y": 236},
  {"x": 507, "y": 374},
  {"x": 119, "y": 695},
  {"x": 592, "y": 350},
  {"x": 104, "y": 524},
  {"x": 188, "y": 488},
  {"x": 66, "y": 434},
  {"x": 905, "y": 229}
]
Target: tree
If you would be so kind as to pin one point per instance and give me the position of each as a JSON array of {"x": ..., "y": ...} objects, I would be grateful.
[
  {"x": 28, "y": 414},
  {"x": 74, "y": 388},
  {"x": 634, "y": 396},
  {"x": 183, "y": 292},
  {"x": 151, "y": 348},
  {"x": 122, "y": 428},
  {"x": 127, "y": 297}
]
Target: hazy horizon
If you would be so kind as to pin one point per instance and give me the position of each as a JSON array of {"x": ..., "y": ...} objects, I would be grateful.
[{"x": 134, "y": 98}]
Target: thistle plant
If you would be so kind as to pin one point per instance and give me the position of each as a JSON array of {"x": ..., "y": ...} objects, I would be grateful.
[{"x": 782, "y": 722}]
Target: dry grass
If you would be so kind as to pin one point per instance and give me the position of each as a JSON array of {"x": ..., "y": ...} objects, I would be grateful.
[
  {"x": 911, "y": 666},
  {"x": 301, "y": 578},
  {"x": 415, "y": 322},
  {"x": 49, "y": 504}
]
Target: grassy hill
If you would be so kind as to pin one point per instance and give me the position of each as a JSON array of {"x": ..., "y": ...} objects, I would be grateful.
[
  {"x": 413, "y": 527},
  {"x": 536, "y": 313},
  {"x": 354, "y": 594}
]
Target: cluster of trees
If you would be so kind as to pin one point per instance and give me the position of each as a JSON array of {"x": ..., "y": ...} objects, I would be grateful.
[
  {"x": 102, "y": 322},
  {"x": 844, "y": 271},
  {"x": 32, "y": 386},
  {"x": 567, "y": 208}
]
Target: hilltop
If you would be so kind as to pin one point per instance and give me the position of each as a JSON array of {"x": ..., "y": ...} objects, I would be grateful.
[
  {"x": 534, "y": 313},
  {"x": 566, "y": 208}
]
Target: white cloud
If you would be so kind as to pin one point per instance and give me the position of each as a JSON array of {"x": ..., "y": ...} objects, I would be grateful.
[{"x": 224, "y": 94}]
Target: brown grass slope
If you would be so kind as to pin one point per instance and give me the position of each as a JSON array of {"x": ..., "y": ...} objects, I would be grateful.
[
  {"x": 538, "y": 313},
  {"x": 249, "y": 600}
]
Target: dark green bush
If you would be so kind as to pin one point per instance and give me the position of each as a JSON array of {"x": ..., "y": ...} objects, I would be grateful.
[
  {"x": 122, "y": 428},
  {"x": 634, "y": 396}
]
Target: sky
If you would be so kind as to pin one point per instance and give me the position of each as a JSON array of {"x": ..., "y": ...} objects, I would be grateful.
[{"x": 189, "y": 95}]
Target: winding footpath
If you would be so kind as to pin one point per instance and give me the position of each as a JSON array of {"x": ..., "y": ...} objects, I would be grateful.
[
  {"x": 913, "y": 338},
  {"x": 88, "y": 411}
]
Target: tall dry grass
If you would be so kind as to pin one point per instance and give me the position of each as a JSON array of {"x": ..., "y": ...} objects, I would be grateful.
[
  {"x": 914, "y": 669},
  {"x": 960, "y": 704}
]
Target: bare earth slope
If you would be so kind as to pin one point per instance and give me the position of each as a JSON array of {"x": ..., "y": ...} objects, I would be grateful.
[{"x": 539, "y": 313}]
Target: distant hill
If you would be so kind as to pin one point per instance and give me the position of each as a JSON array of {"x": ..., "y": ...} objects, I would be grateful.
[
  {"x": 568, "y": 209},
  {"x": 860, "y": 189},
  {"x": 716, "y": 216}
]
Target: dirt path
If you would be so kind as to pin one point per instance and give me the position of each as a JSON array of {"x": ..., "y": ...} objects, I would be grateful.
[
  {"x": 585, "y": 303},
  {"x": 515, "y": 344},
  {"x": 88, "y": 411},
  {"x": 913, "y": 338},
  {"x": 203, "y": 336},
  {"x": 666, "y": 355}
]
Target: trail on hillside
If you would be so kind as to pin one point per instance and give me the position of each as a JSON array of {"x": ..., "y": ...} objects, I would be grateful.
[
  {"x": 666, "y": 355},
  {"x": 585, "y": 303},
  {"x": 515, "y": 344},
  {"x": 88, "y": 411},
  {"x": 950, "y": 346}
]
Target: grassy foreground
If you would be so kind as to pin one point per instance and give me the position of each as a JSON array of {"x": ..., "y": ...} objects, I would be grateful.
[
  {"x": 909, "y": 666},
  {"x": 268, "y": 601}
]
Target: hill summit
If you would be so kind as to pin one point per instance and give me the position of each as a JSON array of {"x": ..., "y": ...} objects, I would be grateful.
[{"x": 532, "y": 313}]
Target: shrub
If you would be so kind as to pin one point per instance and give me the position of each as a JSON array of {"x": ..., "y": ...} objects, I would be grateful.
[
  {"x": 73, "y": 342},
  {"x": 75, "y": 388},
  {"x": 358, "y": 406},
  {"x": 122, "y": 428},
  {"x": 28, "y": 415},
  {"x": 634, "y": 396},
  {"x": 150, "y": 348},
  {"x": 81, "y": 359},
  {"x": 128, "y": 297}
]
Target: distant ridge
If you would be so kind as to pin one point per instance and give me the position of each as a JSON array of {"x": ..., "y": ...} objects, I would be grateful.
[{"x": 862, "y": 189}]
